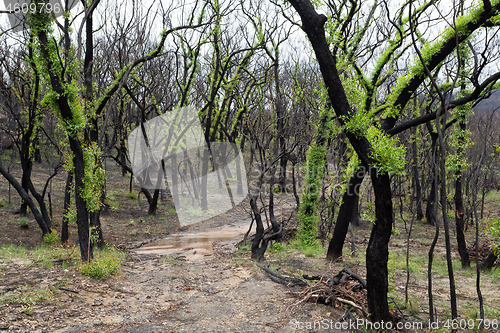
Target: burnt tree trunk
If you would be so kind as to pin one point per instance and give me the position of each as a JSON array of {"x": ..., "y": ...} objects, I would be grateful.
[
  {"x": 257, "y": 248},
  {"x": 22, "y": 193},
  {"x": 345, "y": 216},
  {"x": 416, "y": 179},
  {"x": 430, "y": 212},
  {"x": 489, "y": 261},
  {"x": 377, "y": 252},
  {"x": 459, "y": 222},
  {"x": 67, "y": 205}
]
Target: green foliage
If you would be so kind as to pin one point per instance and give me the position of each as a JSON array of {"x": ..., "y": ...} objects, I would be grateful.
[
  {"x": 460, "y": 141},
  {"x": 26, "y": 298},
  {"x": 94, "y": 177},
  {"x": 170, "y": 260},
  {"x": 51, "y": 237},
  {"x": 70, "y": 214},
  {"x": 104, "y": 264},
  {"x": 312, "y": 251},
  {"x": 357, "y": 123},
  {"x": 276, "y": 247},
  {"x": 494, "y": 228},
  {"x": 411, "y": 307},
  {"x": 389, "y": 157},
  {"x": 196, "y": 212},
  {"x": 23, "y": 222},
  {"x": 131, "y": 195},
  {"x": 397, "y": 262},
  {"x": 308, "y": 212},
  {"x": 42, "y": 254},
  {"x": 430, "y": 50}
]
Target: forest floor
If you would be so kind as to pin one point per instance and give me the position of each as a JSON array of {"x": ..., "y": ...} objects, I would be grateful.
[{"x": 200, "y": 280}]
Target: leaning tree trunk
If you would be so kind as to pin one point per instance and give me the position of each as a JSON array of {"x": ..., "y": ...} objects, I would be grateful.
[
  {"x": 345, "y": 216},
  {"x": 38, "y": 217},
  {"x": 257, "y": 248}
]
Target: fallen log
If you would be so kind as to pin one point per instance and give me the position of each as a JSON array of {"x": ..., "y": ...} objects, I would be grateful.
[
  {"x": 70, "y": 290},
  {"x": 286, "y": 280},
  {"x": 340, "y": 278}
]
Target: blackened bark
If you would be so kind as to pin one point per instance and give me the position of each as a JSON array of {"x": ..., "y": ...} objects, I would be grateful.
[
  {"x": 346, "y": 212},
  {"x": 95, "y": 223},
  {"x": 355, "y": 211},
  {"x": 257, "y": 250},
  {"x": 459, "y": 222},
  {"x": 416, "y": 179},
  {"x": 146, "y": 194},
  {"x": 27, "y": 184},
  {"x": 489, "y": 261},
  {"x": 153, "y": 203},
  {"x": 22, "y": 193},
  {"x": 41, "y": 203},
  {"x": 259, "y": 244},
  {"x": 23, "y": 210},
  {"x": 37, "y": 155},
  {"x": 67, "y": 205},
  {"x": 275, "y": 225},
  {"x": 294, "y": 181},
  {"x": 282, "y": 174},
  {"x": 280, "y": 125},
  {"x": 430, "y": 212},
  {"x": 377, "y": 252},
  {"x": 82, "y": 219}
]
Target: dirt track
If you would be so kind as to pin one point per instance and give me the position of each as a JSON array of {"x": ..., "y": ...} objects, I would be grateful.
[{"x": 219, "y": 293}]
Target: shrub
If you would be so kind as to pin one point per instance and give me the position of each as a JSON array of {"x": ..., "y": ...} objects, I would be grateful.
[
  {"x": 51, "y": 237},
  {"x": 23, "y": 222},
  {"x": 103, "y": 265},
  {"x": 131, "y": 195}
]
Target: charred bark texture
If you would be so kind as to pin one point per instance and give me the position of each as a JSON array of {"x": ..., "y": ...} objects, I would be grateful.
[
  {"x": 489, "y": 261},
  {"x": 377, "y": 251},
  {"x": 67, "y": 205},
  {"x": 345, "y": 216},
  {"x": 459, "y": 222},
  {"x": 22, "y": 193},
  {"x": 416, "y": 180}
]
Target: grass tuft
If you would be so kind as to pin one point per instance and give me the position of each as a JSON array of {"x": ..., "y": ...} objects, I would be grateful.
[{"x": 104, "y": 264}]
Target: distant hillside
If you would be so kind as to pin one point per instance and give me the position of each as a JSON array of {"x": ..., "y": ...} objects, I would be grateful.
[{"x": 490, "y": 104}]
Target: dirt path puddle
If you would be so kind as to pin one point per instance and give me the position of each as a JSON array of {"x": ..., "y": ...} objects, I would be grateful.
[{"x": 194, "y": 245}]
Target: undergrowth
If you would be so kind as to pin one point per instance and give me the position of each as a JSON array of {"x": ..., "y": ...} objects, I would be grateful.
[{"x": 105, "y": 263}]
